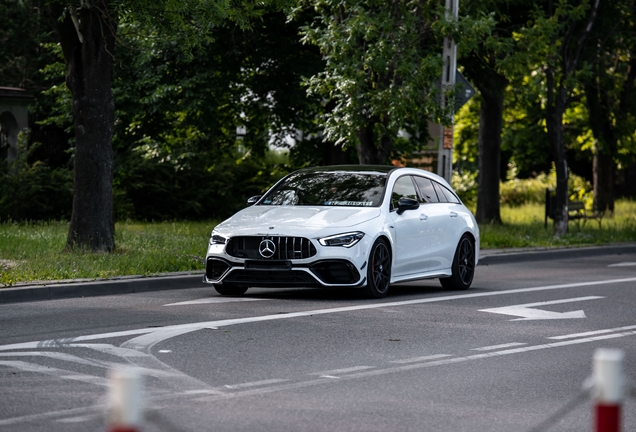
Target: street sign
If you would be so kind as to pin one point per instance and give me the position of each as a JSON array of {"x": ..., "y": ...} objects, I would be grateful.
[{"x": 464, "y": 91}]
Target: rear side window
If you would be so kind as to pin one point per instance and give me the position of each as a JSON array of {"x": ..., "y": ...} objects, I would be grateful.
[
  {"x": 450, "y": 197},
  {"x": 427, "y": 192},
  {"x": 440, "y": 194}
]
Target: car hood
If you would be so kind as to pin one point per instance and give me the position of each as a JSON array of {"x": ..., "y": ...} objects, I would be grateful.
[{"x": 292, "y": 219}]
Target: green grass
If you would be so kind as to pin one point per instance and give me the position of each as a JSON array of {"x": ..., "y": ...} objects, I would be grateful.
[
  {"x": 35, "y": 251},
  {"x": 523, "y": 227}
]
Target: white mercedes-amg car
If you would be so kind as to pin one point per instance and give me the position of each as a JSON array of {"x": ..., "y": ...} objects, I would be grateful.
[{"x": 354, "y": 226}]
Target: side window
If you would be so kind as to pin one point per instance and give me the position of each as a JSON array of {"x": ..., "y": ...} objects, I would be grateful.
[
  {"x": 403, "y": 188},
  {"x": 427, "y": 193},
  {"x": 440, "y": 194},
  {"x": 450, "y": 197}
]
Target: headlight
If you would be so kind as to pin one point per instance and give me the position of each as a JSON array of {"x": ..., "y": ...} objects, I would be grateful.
[
  {"x": 346, "y": 240},
  {"x": 217, "y": 239}
]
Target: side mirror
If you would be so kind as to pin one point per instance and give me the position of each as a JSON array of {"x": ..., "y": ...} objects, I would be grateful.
[
  {"x": 405, "y": 204},
  {"x": 252, "y": 200}
]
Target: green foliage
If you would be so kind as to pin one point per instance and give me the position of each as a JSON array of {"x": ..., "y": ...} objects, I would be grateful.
[
  {"x": 155, "y": 189},
  {"x": 381, "y": 65},
  {"x": 24, "y": 29},
  {"x": 516, "y": 192},
  {"x": 465, "y": 184},
  {"x": 34, "y": 191}
]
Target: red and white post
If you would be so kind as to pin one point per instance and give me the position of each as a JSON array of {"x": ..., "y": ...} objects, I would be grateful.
[
  {"x": 609, "y": 386},
  {"x": 125, "y": 407}
]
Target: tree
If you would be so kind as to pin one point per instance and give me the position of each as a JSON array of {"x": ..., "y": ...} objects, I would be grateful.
[
  {"x": 485, "y": 66},
  {"x": 88, "y": 35},
  {"x": 609, "y": 93},
  {"x": 554, "y": 41},
  {"x": 381, "y": 64}
]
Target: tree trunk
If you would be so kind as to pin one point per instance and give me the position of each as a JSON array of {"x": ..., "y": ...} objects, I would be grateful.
[
  {"x": 600, "y": 120},
  {"x": 88, "y": 39},
  {"x": 603, "y": 180},
  {"x": 490, "y": 125},
  {"x": 368, "y": 152},
  {"x": 556, "y": 103}
]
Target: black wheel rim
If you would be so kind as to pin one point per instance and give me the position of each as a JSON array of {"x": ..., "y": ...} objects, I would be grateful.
[
  {"x": 381, "y": 268},
  {"x": 466, "y": 262}
]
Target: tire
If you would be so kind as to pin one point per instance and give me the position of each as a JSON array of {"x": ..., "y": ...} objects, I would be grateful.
[
  {"x": 378, "y": 270},
  {"x": 230, "y": 290},
  {"x": 463, "y": 267}
]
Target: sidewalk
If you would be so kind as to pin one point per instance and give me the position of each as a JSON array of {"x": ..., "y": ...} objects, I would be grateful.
[{"x": 74, "y": 288}]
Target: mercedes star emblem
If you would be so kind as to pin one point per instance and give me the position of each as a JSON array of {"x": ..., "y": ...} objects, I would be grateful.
[{"x": 267, "y": 248}]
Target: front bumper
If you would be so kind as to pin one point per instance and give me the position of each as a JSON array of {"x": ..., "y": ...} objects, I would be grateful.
[{"x": 283, "y": 273}]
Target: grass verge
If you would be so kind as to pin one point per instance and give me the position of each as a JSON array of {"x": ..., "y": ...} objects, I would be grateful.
[
  {"x": 524, "y": 227},
  {"x": 35, "y": 251}
]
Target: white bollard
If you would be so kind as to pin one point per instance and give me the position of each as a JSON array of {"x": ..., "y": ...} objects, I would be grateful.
[
  {"x": 124, "y": 400},
  {"x": 609, "y": 386}
]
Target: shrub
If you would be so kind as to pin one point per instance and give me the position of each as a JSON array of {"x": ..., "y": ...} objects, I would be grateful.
[{"x": 34, "y": 191}]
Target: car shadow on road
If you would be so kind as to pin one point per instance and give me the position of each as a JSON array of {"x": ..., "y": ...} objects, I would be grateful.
[{"x": 397, "y": 292}]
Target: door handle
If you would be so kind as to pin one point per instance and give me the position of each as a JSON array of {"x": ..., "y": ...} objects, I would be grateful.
[
  {"x": 453, "y": 214},
  {"x": 423, "y": 217}
]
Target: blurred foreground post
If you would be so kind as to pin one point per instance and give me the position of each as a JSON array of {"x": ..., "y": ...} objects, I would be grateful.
[
  {"x": 609, "y": 386},
  {"x": 124, "y": 401}
]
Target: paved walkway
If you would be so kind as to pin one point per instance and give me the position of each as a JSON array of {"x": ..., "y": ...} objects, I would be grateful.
[{"x": 50, "y": 290}]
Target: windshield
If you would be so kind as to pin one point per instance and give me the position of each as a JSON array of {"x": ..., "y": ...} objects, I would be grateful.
[{"x": 330, "y": 188}]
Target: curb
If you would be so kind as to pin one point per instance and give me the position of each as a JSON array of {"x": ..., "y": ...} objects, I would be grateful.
[
  {"x": 57, "y": 290},
  {"x": 131, "y": 284},
  {"x": 503, "y": 256}
]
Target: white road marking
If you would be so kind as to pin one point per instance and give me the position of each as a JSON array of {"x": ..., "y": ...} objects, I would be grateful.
[
  {"x": 216, "y": 395},
  {"x": 209, "y": 300},
  {"x": 342, "y": 371},
  {"x": 495, "y": 347},
  {"x": 53, "y": 355},
  {"x": 156, "y": 335},
  {"x": 526, "y": 312},
  {"x": 623, "y": 264},
  {"x": 196, "y": 392},
  {"x": 595, "y": 332},
  {"x": 255, "y": 383},
  {"x": 165, "y": 351},
  {"x": 442, "y": 362},
  {"x": 59, "y": 373},
  {"x": 111, "y": 349},
  {"x": 421, "y": 359}
]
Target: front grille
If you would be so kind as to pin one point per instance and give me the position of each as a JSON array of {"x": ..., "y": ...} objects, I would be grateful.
[
  {"x": 286, "y": 247},
  {"x": 270, "y": 278}
]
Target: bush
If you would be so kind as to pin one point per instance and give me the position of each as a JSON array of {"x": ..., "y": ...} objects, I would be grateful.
[
  {"x": 34, "y": 191},
  {"x": 155, "y": 189},
  {"x": 465, "y": 184},
  {"x": 516, "y": 192}
]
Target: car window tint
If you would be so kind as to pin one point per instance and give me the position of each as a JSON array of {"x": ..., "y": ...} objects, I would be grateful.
[
  {"x": 403, "y": 188},
  {"x": 328, "y": 188},
  {"x": 427, "y": 192},
  {"x": 450, "y": 197},
  {"x": 440, "y": 194}
]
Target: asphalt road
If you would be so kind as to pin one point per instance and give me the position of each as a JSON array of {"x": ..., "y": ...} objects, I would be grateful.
[{"x": 422, "y": 359}]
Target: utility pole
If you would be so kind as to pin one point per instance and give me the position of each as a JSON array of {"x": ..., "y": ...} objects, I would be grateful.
[{"x": 445, "y": 146}]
